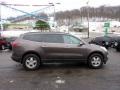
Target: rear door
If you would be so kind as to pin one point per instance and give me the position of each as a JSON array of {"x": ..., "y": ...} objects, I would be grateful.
[{"x": 53, "y": 46}]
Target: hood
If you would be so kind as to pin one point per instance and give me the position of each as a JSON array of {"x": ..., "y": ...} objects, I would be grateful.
[{"x": 94, "y": 47}]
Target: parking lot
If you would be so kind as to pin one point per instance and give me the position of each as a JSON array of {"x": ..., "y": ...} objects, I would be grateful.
[
  {"x": 60, "y": 76},
  {"x": 39, "y": 31}
]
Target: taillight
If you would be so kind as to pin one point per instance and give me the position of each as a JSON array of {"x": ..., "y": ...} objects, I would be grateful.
[{"x": 14, "y": 44}]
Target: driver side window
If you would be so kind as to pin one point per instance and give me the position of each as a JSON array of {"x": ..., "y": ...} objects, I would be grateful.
[{"x": 71, "y": 39}]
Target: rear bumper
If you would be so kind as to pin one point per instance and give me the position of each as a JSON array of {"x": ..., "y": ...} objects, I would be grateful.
[{"x": 16, "y": 58}]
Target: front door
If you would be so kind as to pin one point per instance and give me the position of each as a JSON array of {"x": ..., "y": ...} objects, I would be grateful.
[{"x": 74, "y": 50}]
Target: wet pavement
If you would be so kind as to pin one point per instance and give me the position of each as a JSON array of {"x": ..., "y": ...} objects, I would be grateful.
[{"x": 60, "y": 76}]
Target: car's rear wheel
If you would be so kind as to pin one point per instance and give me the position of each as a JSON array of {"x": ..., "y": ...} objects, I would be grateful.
[
  {"x": 95, "y": 61},
  {"x": 31, "y": 62}
]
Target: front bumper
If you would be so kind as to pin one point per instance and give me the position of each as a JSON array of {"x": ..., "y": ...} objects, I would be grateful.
[{"x": 105, "y": 57}]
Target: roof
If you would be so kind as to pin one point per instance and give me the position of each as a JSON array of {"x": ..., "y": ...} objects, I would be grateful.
[{"x": 45, "y": 33}]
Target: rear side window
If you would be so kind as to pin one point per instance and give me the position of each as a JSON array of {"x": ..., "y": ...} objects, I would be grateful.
[
  {"x": 103, "y": 39},
  {"x": 33, "y": 37},
  {"x": 52, "y": 38}
]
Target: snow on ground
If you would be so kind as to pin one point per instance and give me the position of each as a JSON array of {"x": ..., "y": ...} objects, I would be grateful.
[{"x": 15, "y": 33}]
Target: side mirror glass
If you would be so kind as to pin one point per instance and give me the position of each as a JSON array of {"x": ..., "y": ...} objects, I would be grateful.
[
  {"x": 81, "y": 43},
  {"x": 89, "y": 42}
]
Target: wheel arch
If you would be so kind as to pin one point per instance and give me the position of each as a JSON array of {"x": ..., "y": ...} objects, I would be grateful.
[
  {"x": 98, "y": 52},
  {"x": 30, "y": 52}
]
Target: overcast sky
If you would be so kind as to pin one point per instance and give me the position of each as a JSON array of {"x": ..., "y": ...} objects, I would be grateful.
[{"x": 65, "y": 5}]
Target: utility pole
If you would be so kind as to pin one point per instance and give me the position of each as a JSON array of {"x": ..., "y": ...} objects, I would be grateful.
[
  {"x": 1, "y": 26},
  {"x": 54, "y": 11},
  {"x": 54, "y": 14},
  {"x": 88, "y": 18}
]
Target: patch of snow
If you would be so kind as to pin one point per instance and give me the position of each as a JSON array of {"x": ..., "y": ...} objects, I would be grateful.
[{"x": 60, "y": 81}]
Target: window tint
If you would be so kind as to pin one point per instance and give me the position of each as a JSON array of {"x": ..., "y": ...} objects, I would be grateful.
[
  {"x": 11, "y": 39},
  {"x": 71, "y": 39},
  {"x": 52, "y": 38},
  {"x": 33, "y": 37}
]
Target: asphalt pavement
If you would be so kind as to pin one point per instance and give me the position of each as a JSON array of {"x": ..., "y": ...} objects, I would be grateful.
[{"x": 60, "y": 76}]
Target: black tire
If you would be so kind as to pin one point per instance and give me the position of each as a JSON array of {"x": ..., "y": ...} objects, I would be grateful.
[
  {"x": 37, "y": 59},
  {"x": 107, "y": 47},
  {"x": 90, "y": 61},
  {"x": 118, "y": 49},
  {"x": 10, "y": 48}
]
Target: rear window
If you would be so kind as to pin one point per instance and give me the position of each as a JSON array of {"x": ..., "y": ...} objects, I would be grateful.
[
  {"x": 11, "y": 39},
  {"x": 2, "y": 38},
  {"x": 102, "y": 39},
  {"x": 50, "y": 38}
]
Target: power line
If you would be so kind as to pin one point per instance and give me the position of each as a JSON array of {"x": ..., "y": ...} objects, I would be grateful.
[
  {"x": 39, "y": 10},
  {"x": 24, "y": 12},
  {"x": 35, "y": 5}
]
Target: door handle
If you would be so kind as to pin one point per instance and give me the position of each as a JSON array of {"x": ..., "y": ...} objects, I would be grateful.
[
  {"x": 68, "y": 46},
  {"x": 44, "y": 45}
]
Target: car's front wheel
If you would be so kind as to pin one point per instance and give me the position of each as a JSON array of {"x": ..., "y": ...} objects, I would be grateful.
[
  {"x": 31, "y": 62},
  {"x": 118, "y": 49},
  {"x": 95, "y": 61}
]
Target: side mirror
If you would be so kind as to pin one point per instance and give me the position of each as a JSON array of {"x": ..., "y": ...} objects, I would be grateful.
[
  {"x": 90, "y": 42},
  {"x": 81, "y": 43}
]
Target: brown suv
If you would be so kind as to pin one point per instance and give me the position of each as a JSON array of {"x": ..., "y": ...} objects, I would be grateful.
[{"x": 32, "y": 49}]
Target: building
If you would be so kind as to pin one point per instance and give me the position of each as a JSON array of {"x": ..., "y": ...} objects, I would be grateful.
[{"x": 26, "y": 22}]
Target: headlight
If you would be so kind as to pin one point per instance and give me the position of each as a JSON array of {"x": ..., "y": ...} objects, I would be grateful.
[{"x": 104, "y": 49}]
